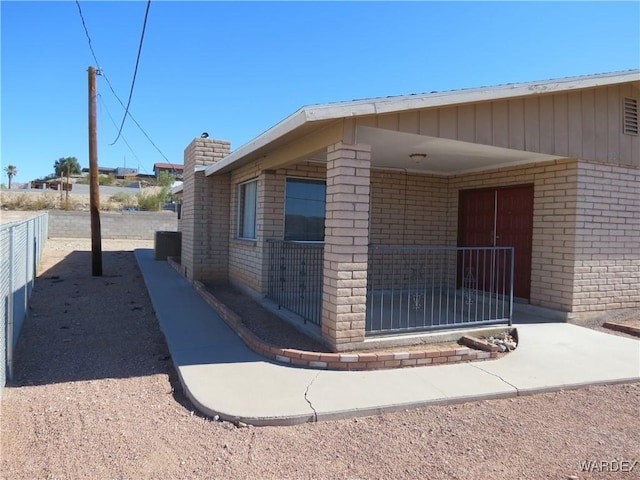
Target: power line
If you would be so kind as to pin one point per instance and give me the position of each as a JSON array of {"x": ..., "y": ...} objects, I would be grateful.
[
  {"x": 135, "y": 71},
  {"x": 103, "y": 104},
  {"x": 86, "y": 31},
  {"x": 132, "y": 118},
  {"x": 104, "y": 75}
]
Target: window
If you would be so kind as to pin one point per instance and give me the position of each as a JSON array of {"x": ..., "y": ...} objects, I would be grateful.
[
  {"x": 304, "y": 210},
  {"x": 247, "y": 196}
]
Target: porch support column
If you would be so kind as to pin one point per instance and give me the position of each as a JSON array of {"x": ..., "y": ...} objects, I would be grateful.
[
  {"x": 205, "y": 212},
  {"x": 346, "y": 240}
]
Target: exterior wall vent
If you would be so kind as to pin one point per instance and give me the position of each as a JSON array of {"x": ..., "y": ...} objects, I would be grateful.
[{"x": 630, "y": 120}]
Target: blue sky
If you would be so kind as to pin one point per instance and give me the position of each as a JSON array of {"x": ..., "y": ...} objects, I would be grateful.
[{"x": 234, "y": 69}]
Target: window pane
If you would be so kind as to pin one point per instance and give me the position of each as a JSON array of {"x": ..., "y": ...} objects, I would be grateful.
[
  {"x": 305, "y": 210},
  {"x": 247, "y": 210}
]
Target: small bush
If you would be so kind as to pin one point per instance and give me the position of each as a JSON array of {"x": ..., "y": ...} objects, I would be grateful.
[
  {"x": 107, "y": 179},
  {"x": 152, "y": 201},
  {"x": 46, "y": 201},
  {"x": 24, "y": 201},
  {"x": 122, "y": 197}
]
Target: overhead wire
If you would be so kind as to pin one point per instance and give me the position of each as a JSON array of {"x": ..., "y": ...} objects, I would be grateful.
[
  {"x": 104, "y": 75},
  {"x": 86, "y": 31},
  {"x": 135, "y": 71},
  {"x": 103, "y": 104}
]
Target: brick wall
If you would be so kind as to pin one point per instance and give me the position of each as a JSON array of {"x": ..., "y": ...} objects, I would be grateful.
[
  {"x": 116, "y": 225},
  {"x": 554, "y": 223},
  {"x": 198, "y": 210},
  {"x": 248, "y": 260},
  {"x": 245, "y": 262},
  {"x": 607, "y": 251},
  {"x": 344, "y": 300},
  {"x": 408, "y": 209}
]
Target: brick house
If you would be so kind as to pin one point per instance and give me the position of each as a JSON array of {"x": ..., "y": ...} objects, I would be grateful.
[{"x": 411, "y": 213}]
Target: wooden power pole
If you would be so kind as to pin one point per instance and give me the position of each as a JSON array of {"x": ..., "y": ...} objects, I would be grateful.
[{"x": 94, "y": 186}]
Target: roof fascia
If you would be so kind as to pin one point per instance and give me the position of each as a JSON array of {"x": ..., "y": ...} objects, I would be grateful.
[
  {"x": 287, "y": 125},
  {"x": 397, "y": 104},
  {"x": 439, "y": 99}
]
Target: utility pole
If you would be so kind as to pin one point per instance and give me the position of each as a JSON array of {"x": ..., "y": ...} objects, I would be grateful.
[
  {"x": 94, "y": 186},
  {"x": 66, "y": 202}
]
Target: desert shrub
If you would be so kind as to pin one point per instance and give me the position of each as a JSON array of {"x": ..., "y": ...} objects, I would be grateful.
[
  {"x": 25, "y": 201},
  {"x": 122, "y": 197},
  {"x": 152, "y": 201},
  {"x": 46, "y": 201},
  {"x": 107, "y": 179}
]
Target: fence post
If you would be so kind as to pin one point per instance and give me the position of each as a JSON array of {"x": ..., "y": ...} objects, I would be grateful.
[{"x": 9, "y": 331}]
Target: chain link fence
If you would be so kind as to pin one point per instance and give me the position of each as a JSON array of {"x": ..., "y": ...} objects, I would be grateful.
[{"x": 21, "y": 246}]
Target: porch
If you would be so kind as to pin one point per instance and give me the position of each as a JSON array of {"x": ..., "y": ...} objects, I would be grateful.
[{"x": 409, "y": 288}]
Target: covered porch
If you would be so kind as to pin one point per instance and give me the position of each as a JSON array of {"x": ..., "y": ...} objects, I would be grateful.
[
  {"x": 391, "y": 260},
  {"x": 405, "y": 182},
  {"x": 383, "y": 255}
]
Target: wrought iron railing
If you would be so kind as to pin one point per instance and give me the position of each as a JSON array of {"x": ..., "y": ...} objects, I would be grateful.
[
  {"x": 295, "y": 277},
  {"x": 426, "y": 288},
  {"x": 409, "y": 289}
]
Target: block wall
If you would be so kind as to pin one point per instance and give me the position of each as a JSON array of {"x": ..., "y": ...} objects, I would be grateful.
[
  {"x": 408, "y": 209},
  {"x": 116, "y": 225},
  {"x": 607, "y": 250},
  {"x": 344, "y": 295},
  {"x": 248, "y": 259},
  {"x": 554, "y": 223},
  {"x": 198, "y": 208}
]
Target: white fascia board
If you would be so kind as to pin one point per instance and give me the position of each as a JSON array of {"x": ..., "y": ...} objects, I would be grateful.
[
  {"x": 332, "y": 111},
  {"x": 287, "y": 125},
  {"x": 456, "y": 97}
]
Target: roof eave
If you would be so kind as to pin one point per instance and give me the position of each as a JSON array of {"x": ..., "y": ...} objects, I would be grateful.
[
  {"x": 397, "y": 104},
  {"x": 472, "y": 95},
  {"x": 287, "y": 125}
]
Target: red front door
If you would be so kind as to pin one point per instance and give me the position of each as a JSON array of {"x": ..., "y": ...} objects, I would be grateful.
[{"x": 500, "y": 217}]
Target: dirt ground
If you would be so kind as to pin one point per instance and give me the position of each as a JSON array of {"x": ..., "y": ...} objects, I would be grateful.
[{"x": 95, "y": 396}]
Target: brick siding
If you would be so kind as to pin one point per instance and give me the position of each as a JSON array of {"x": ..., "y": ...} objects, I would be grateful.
[
  {"x": 203, "y": 252},
  {"x": 607, "y": 252}
]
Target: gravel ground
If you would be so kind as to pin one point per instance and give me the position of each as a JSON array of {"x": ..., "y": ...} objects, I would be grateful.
[{"x": 95, "y": 397}]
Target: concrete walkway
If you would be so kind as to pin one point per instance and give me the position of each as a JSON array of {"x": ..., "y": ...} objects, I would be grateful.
[{"x": 222, "y": 376}]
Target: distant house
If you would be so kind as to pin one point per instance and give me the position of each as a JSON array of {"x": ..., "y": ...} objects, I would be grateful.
[
  {"x": 424, "y": 212},
  {"x": 51, "y": 184},
  {"x": 122, "y": 172},
  {"x": 171, "y": 168},
  {"x": 101, "y": 170}
]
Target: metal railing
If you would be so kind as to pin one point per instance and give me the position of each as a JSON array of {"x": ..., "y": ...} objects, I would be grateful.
[
  {"x": 295, "y": 277},
  {"x": 425, "y": 288},
  {"x": 21, "y": 246}
]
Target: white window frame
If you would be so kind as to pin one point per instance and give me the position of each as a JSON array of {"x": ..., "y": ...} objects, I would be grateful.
[{"x": 247, "y": 210}]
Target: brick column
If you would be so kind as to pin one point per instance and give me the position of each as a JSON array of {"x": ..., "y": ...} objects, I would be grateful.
[
  {"x": 344, "y": 300},
  {"x": 205, "y": 212}
]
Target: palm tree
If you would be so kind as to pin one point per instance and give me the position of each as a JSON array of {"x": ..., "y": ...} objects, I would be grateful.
[
  {"x": 67, "y": 165},
  {"x": 12, "y": 171}
]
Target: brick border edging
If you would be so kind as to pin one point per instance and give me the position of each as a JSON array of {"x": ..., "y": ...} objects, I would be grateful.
[
  {"x": 338, "y": 361},
  {"x": 621, "y": 327}
]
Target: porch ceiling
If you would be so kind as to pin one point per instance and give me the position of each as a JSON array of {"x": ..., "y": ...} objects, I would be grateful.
[{"x": 391, "y": 149}]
